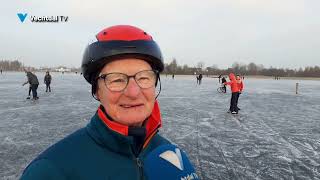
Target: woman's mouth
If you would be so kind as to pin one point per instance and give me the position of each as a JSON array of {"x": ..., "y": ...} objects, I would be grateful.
[{"x": 131, "y": 105}]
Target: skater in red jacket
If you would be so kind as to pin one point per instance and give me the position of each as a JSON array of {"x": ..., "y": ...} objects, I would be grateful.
[{"x": 235, "y": 92}]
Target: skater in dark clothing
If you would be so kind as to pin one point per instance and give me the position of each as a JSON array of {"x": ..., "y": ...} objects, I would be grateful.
[
  {"x": 220, "y": 78},
  {"x": 235, "y": 91},
  {"x": 1, "y": 71},
  {"x": 223, "y": 80},
  {"x": 172, "y": 76},
  {"x": 199, "y": 78},
  {"x": 34, "y": 83},
  {"x": 47, "y": 81}
]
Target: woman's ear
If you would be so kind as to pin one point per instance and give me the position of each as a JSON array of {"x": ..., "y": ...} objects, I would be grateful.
[
  {"x": 94, "y": 91},
  {"x": 97, "y": 93}
]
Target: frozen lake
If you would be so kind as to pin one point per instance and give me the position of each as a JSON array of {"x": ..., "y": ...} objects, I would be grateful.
[{"x": 275, "y": 136}]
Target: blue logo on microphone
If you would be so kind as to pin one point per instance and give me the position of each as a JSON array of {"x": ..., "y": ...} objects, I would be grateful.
[
  {"x": 173, "y": 157},
  {"x": 168, "y": 162}
]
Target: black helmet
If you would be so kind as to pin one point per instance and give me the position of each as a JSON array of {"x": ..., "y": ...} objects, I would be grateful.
[{"x": 118, "y": 42}]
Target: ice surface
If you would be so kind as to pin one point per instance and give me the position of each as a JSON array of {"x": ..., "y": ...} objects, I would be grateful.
[{"x": 276, "y": 135}]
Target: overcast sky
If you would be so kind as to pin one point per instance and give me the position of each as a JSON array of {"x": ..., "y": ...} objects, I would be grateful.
[{"x": 277, "y": 33}]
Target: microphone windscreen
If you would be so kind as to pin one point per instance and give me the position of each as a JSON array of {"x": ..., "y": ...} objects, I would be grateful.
[{"x": 168, "y": 162}]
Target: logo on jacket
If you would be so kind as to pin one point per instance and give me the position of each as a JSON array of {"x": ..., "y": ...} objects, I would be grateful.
[{"x": 174, "y": 158}]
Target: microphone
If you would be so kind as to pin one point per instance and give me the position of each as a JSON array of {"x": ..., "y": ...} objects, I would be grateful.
[{"x": 168, "y": 162}]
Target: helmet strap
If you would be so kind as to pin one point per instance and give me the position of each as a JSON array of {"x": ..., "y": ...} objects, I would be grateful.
[{"x": 159, "y": 86}]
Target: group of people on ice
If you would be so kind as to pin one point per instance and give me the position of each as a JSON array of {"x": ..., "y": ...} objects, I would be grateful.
[
  {"x": 32, "y": 79},
  {"x": 236, "y": 86}
]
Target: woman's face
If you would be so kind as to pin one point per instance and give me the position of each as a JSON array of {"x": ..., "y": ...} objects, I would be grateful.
[{"x": 132, "y": 105}]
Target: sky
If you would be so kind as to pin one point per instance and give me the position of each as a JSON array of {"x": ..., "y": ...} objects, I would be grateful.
[{"x": 277, "y": 33}]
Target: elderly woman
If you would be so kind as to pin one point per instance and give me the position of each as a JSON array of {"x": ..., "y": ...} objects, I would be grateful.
[{"x": 121, "y": 140}]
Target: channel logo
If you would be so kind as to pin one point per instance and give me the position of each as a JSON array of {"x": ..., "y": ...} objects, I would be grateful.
[
  {"x": 21, "y": 16},
  {"x": 42, "y": 19}
]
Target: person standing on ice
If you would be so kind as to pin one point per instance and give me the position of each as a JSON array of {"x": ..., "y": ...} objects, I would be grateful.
[
  {"x": 240, "y": 85},
  {"x": 34, "y": 83},
  {"x": 197, "y": 77},
  {"x": 47, "y": 81},
  {"x": 219, "y": 77},
  {"x": 200, "y": 78},
  {"x": 234, "y": 93},
  {"x": 121, "y": 142},
  {"x": 223, "y": 80}
]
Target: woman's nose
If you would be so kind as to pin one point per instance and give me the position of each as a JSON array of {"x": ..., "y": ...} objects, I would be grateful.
[{"x": 132, "y": 90}]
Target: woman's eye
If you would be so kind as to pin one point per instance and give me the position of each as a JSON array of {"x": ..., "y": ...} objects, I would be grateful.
[
  {"x": 117, "y": 81},
  {"x": 143, "y": 79}
]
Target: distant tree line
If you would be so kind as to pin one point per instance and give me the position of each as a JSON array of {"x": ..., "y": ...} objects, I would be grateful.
[
  {"x": 174, "y": 68},
  {"x": 8, "y": 65},
  {"x": 243, "y": 69}
]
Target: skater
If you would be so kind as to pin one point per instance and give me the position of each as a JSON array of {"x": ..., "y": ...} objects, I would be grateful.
[
  {"x": 47, "y": 81},
  {"x": 235, "y": 91},
  {"x": 34, "y": 83},
  {"x": 121, "y": 140},
  {"x": 220, "y": 78},
  {"x": 223, "y": 80},
  {"x": 1, "y": 71},
  {"x": 172, "y": 76},
  {"x": 240, "y": 85},
  {"x": 199, "y": 78}
]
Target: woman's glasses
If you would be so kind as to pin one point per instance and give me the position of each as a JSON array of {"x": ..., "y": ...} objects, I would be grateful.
[{"x": 119, "y": 81}]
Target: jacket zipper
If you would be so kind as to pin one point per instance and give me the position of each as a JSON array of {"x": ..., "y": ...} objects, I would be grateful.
[
  {"x": 139, "y": 162},
  {"x": 140, "y": 168}
]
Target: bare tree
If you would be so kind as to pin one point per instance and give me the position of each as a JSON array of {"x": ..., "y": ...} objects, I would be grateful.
[
  {"x": 173, "y": 66},
  {"x": 200, "y": 65}
]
